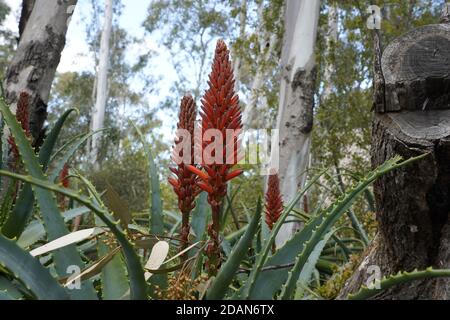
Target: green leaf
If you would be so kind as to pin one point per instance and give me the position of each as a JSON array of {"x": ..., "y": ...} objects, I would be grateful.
[
  {"x": 32, "y": 234},
  {"x": 23, "y": 208},
  {"x": 134, "y": 267},
  {"x": 308, "y": 269},
  {"x": 35, "y": 230},
  {"x": 28, "y": 270},
  {"x": 62, "y": 156},
  {"x": 249, "y": 285},
  {"x": 4, "y": 296},
  {"x": 331, "y": 215},
  {"x": 114, "y": 280},
  {"x": 8, "y": 286},
  {"x": 401, "y": 278},
  {"x": 137, "y": 284},
  {"x": 7, "y": 204},
  {"x": 227, "y": 272},
  {"x": 200, "y": 216},
  {"x": 156, "y": 212},
  {"x": 265, "y": 289},
  {"x": 54, "y": 223}
]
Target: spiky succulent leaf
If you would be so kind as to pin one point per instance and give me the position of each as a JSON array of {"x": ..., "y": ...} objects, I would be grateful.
[
  {"x": 23, "y": 208},
  {"x": 134, "y": 266},
  {"x": 54, "y": 223},
  {"x": 262, "y": 257},
  {"x": 29, "y": 270},
  {"x": 402, "y": 277},
  {"x": 227, "y": 272},
  {"x": 330, "y": 217}
]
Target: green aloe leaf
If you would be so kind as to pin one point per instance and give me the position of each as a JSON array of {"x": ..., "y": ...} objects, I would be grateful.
[
  {"x": 28, "y": 270},
  {"x": 200, "y": 216},
  {"x": 156, "y": 212},
  {"x": 262, "y": 257},
  {"x": 265, "y": 290},
  {"x": 114, "y": 280},
  {"x": 64, "y": 258},
  {"x": 331, "y": 216},
  {"x": 62, "y": 156},
  {"x": 227, "y": 272},
  {"x": 402, "y": 277},
  {"x": 134, "y": 266},
  {"x": 23, "y": 208},
  {"x": 115, "y": 272},
  {"x": 308, "y": 269}
]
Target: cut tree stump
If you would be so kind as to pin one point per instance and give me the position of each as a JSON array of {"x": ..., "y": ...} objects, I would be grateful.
[{"x": 412, "y": 203}]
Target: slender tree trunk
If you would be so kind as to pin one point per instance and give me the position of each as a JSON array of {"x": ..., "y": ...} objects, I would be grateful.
[
  {"x": 237, "y": 59},
  {"x": 267, "y": 45},
  {"x": 27, "y": 7},
  {"x": 412, "y": 203},
  {"x": 98, "y": 114},
  {"x": 295, "y": 115},
  {"x": 43, "y": 36},
  {"x": 331, "y": 39}
]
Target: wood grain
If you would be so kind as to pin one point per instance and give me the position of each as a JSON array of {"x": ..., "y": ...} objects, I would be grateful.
[{"x": 416, "y": 68}]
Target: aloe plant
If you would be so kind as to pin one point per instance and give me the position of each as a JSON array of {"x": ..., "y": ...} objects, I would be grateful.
[
  {"x": 36, "y": 278},
  {"x": 402, "y": 277},
  {"x": 227, "y": 271},
  {"x": 21, "y": 213}
]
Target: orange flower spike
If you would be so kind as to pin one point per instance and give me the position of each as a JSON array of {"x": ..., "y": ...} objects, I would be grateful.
[
  {"x": 220, "y": 111},
  {"x": 274, "y": 201},
  {"x": 184, "y": 178},
  {"x": 64, "y": 176},
  {"x": 22, "y": 112},
  {"x": 22, "y": 116}
]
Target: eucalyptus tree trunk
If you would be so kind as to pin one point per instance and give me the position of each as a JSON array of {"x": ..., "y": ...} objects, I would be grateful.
[
  {"x": 295, "y": 115},
  {"x": 412, "y": 203},
  {"x": 98, "y": 114},
  {"x": 268, "y": 41},
  {"x": 331, "y": 39},
  {"x": 237, "y": 59},
  {"x": 43, "y": 28},
  {"x": 27, "y": 8}
]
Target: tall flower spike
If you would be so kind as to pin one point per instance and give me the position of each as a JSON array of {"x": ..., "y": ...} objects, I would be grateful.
[
  {"x": 64, "y": 176},
  {"x": 22, "y": 116},
  {"x": 184, "y": 181},
  {"x": 274, "y": 201},
  {"x": 221, "y": 113},
  {"x": 64, "y": 180}
]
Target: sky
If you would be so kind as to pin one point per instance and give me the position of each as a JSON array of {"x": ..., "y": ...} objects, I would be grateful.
[{"x": 77, "y": 57}]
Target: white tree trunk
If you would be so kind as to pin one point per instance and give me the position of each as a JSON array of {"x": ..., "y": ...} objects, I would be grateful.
[
  {"x": 33, "y": 67},
  {"x": 237, "y": 60},
  {"x": 295, "y": 115},
  {"x": 267, "y": 43},
  {"x": 331, "y": 39},
  {"x": 98, "y": 114}
]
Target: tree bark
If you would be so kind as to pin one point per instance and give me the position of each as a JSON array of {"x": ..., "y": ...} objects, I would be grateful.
[
  {"x": 295, "y": 115},
  {"x": 331, "y": 39},
  {"x": 237, "y": 59},
  {"x": 413, "y": 203},
  {"x": 27, "y": 7},
  {"x": 98, "y": 114},
  {"x": 38, "y": 54},
  {"x": 268, "y": 40}
]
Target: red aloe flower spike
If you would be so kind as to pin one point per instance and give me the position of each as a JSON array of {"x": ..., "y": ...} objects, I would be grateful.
[
  {"x": 64, "y": 180},
  {"x": 22, "y": 116},
  {"x": 220, "y": 111},
  {"x": 184, "y": 181},
  {"x": 64, "y": 176},
  {"x": 274, "y": 201}
]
